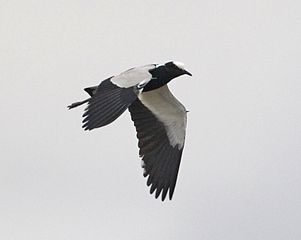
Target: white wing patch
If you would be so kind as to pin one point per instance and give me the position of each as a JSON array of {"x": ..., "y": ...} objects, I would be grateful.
[
  {"x": 169, "y": 111},
  {"x": 179, "y": 64},
  {"x": 133, "y": 76}
]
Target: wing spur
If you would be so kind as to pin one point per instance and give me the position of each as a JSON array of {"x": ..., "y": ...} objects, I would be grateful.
[{"x": 161, "y": 134}]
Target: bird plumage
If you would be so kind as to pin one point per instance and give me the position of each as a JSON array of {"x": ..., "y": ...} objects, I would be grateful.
[{"x": 159, "y": 118}]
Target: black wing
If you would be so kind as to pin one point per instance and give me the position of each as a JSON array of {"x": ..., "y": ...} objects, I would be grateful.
[
  {"x": 107, "y": 104},
  {"x": 113, "y": 96},
  {"x": 160, "y": 159}
]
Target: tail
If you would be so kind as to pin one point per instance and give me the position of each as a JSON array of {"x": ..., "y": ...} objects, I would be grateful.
[
  {"x": 90, "y": 90},
  {"x": 76, "y": 104}
]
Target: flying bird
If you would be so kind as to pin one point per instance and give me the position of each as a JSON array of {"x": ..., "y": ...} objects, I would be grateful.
[{"x": 160, "y": 119}]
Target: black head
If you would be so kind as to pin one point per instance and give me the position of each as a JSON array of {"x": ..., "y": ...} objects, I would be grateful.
[
  {"x": 176, "y": 69},
  {"x": 163, "y": 74}
]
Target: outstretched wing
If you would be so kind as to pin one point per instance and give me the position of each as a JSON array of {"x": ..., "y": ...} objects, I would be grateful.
[
  {"x": 107, "y": 104},
  {"x": 113, "y": 96},
  {"x": 160, "y": 121}
]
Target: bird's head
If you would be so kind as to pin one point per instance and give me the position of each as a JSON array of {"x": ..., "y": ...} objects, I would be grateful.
[
  {"x": 176, "y": 68},
  {"x": 163, "y": 74}
]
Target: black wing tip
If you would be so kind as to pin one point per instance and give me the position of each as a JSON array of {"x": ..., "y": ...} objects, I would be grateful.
[
  {"x": 160, "y": 184},
  {"x": 87, "y": 127},
  {"x": 171, "y": 191},
  {"x": 159, "y": 189},
  {"x": 90, "y": 124},
  {"x": 163, "y": 193}
]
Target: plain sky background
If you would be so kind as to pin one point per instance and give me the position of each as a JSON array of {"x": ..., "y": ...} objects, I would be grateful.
[{"x": 240, "y": 176}]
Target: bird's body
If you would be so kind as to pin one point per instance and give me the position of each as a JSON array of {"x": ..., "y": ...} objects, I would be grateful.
[{"x": 159, "y": 118}]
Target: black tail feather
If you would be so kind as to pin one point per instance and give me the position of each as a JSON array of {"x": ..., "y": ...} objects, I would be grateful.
[{"x": 76, "y": 104}]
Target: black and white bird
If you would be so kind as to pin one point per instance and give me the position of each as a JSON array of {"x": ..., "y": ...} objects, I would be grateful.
[{"x": 160, "y": 119}]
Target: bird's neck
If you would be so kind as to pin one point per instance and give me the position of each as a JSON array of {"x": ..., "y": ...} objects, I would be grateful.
[{"x": 160, "y": 77}]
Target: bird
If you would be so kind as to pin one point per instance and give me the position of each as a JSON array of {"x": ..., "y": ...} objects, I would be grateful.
[{"x": 159, "y": 118}]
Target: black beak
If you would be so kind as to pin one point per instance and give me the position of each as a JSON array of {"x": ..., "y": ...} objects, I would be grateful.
[{"x": 188, "y": 73}]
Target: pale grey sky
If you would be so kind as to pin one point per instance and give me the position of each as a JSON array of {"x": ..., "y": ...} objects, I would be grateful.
[{"x": 240, "y": 172}]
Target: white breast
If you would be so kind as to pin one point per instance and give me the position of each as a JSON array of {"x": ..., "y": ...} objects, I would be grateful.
[{"x": 169, "y": 111}]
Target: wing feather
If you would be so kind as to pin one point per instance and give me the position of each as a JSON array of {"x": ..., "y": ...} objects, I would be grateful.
[
  {"x": 161, "y": 139},
  {"x": 107, "y": 104}
]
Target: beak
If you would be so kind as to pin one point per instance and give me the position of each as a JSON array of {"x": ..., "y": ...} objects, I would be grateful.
[{"x": 188, "y": 73}]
